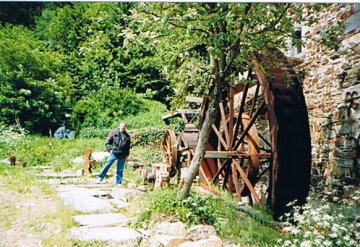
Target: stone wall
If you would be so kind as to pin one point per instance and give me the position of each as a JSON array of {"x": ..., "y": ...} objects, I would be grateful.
[{"x": 331, "y": 88}]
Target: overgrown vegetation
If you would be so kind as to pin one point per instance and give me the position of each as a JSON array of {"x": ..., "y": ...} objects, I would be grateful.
[{"x": 221, "y": 212}]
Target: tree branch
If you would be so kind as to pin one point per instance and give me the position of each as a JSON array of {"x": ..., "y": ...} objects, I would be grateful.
[
  {"x": 174, "y": 24},
  {"x": 274, "y": 23},
  {"x": 236, "y": 45}
]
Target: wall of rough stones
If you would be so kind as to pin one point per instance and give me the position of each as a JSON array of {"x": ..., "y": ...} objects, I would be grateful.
[{"x": 332, "y": 90}]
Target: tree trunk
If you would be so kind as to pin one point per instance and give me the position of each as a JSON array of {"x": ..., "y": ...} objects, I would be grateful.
[{"x": 215, "y": 88}]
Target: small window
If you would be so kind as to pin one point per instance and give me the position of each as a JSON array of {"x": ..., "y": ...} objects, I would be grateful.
[
  {"x": 298, "y": 46},
  {"x": 296, "y": 49}
]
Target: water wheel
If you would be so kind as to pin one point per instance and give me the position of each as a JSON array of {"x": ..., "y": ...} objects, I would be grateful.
[
  {"x": 271, "y": 139},
  {"x": 272, "y": 100},
  {"x": 169, "y": 150}
]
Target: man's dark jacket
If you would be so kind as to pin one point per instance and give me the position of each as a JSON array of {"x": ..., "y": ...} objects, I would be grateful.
[{"x": 119, "y": 143}]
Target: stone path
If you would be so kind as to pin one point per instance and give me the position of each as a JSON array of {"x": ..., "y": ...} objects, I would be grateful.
[{"x": 99, "y": 218}]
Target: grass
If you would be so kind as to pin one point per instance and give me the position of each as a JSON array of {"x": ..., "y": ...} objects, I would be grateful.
[{"x": 231, "y": 225}]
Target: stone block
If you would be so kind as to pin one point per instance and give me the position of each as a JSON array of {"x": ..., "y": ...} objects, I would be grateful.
[
  {"x": 120, "y": 235},
  {"x": 200, "y": 232},
  {"x": 97, "y": 220},
  {"x": 125, "y": 195},
  {"x": 168, "y": 240},
  {"x": 212, "y": 241},
  {"x": 171, "y": 228}
]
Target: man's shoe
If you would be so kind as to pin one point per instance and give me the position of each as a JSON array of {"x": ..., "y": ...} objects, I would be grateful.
[
  {"x": 118, "y": 185},
  {"x": 98, "y": 180}
]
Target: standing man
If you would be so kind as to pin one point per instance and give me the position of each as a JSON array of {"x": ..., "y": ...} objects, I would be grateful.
[{"x": 118, "y": 144}]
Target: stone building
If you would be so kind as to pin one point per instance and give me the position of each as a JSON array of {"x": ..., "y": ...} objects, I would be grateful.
[{"x": 331, "y": 86}]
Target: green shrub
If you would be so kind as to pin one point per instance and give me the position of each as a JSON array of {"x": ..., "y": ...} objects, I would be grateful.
[
  {"x": 221, "y": 212},
  {"x": 147, "y": 137},
  {"x": 150, "y": 116},
  {"x": 94, "y": 132}
]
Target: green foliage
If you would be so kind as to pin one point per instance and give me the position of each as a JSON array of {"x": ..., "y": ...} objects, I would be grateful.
[
  {"x": 105, "y": 107},
  {"x": 221, "y": 212},
  {"x": 29, "y": 92},
  {"x": 90, "y": 36},
  {"x": 94, "y": 132},
  {"x": 146, "y": 137},
  {"x": 150, "y": 116},
  {"x": 331, "y": 36}
]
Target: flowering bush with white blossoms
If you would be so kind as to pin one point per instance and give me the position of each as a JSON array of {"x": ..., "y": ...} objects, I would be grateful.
[
  {"x": 10, "y": 134},
  {"x": 320, "y": 226}
]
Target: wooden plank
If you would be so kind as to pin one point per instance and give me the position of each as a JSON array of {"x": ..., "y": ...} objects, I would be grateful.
[
  {"x": 246, "y": 131},
  {"x": 223, "y": 121},
  {"x": 233, "y": 154},
  {"x": 220, "y": 137},
  {"x": 236, "y": 181},
  {"x": 231, "y": 118},
  {"x": 187, "y": 111},
  {"x": 241, "y": 109},
  {"x": 246, "y": 180},
  {"x": 193, "y": 99}
]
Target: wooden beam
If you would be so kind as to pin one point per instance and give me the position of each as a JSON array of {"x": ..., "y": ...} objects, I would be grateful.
[
  {"x": 246, "y": 131},
  {"x": 192, "y": 99},
  {"x": 220, "y": 137},
  {"x": 233, "y": 154},
  {"x": 246, "y": 180},
  {"x": 223, "y": 121},
  {"x": 236, "y": 181}
]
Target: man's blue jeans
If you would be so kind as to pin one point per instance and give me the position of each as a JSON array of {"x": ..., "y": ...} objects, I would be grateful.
[{"x": 119, "y": 169}]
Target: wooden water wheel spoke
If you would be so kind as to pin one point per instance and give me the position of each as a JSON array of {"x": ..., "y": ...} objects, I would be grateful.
[
  {"x": 217, "y": 132},
  {"x": 236, "y": 181},
  {"x": 231, "y": 119},
  {"x": 264, "y": 139},
  {"x": 254, "y": 99},
  {"x": 253, "y": 142},
  {"x": 252, "y": 121},
  {"x": 241, "y": 110},
  {"x": 223, "y": 121},
  {"x": 226, "y": 176},
  {"x": 219, "y": 171},
  {"x": 246, "y": 180}
]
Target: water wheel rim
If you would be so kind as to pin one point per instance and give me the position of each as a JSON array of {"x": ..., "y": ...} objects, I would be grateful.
[{"x": 169, "y": 150}]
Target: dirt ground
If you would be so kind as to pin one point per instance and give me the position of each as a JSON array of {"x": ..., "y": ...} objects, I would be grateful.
[{"x": 26, "y": 218}]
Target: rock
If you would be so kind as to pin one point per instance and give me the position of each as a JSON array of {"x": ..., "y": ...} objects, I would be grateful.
[
  {"x": 5, "y": 161},
  {"x": 97, "y": 220},
  {"x": 171, "y": 228},
  {"x": 78, "y": 160},
  {"x": 212, "y": 241},
  {"x": 142, "y": 188},
  {"x": 123, "y": 194},
  {"x": 200, "y": 232},
  {"x": 119, "y": 203},
  {"x": 131, "y": 186},
  {"x": 168, "y": 240},
  {"x": 120, "y": 235},
  {"x": 79, "y": 172},
  {"x": 100, "y": 156},
  {"x": 83, "y": 200}
]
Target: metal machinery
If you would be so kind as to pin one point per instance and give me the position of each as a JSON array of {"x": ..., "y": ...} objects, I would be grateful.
[{"x": 269, "y": 142}]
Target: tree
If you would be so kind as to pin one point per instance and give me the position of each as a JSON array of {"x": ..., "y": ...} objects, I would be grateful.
[
  {"x": 229, "y": 33},
  {"x": 29, "y": 91}
]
